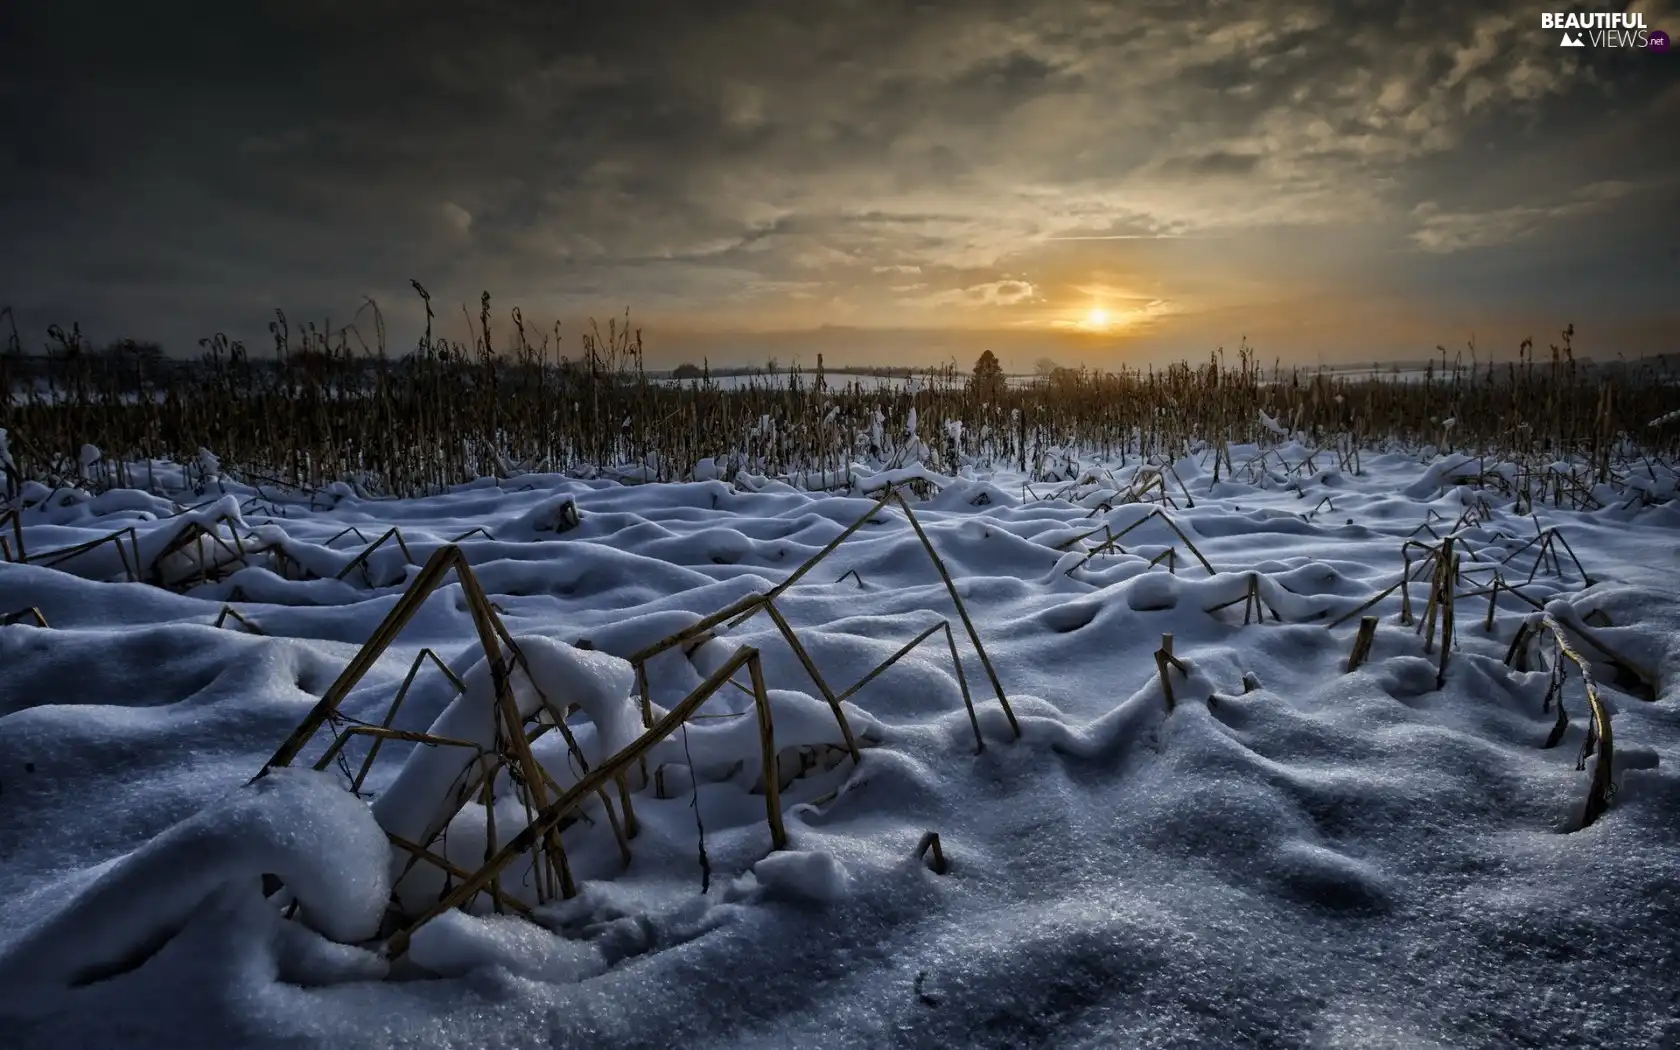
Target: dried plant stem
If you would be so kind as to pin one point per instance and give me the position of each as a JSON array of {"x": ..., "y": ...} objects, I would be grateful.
[
  {"x": 962, "y": 612},
  {"x": 230, "y": 611},
  {"x": 1362, "y": 642},
  {"x": 767, "y": 742},
  {"x": 29, "y": 613},
  {"x": 549, "y": 817},
  {"x": 816, "y": 676},
  {"x": 1601, "y": 788},
  {"x": 930, "y": 844},
  {"x": 396, "y": 706}
]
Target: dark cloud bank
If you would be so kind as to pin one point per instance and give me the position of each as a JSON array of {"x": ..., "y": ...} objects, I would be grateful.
[{"x": 866, "y": 180}]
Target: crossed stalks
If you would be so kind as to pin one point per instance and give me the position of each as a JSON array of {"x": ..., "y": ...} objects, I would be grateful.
[{"x": 548, "y": 807}]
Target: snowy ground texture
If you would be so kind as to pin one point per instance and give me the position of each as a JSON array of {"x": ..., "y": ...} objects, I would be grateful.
[{"x": 1329, "y": 860}]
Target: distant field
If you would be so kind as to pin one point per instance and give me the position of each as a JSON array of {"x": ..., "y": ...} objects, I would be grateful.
[{"x": 421, "y": 423}]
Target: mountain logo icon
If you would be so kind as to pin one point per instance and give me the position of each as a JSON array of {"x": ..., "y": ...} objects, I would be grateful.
[{"x": 1571, "y": 41}]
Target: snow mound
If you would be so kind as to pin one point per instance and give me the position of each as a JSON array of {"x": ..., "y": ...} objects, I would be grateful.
[
  {"x": 455, "y": 943},
  {"x": 417, "y": 803},
  {"x": 814, "y": 878},
  {"x": 300, "y": 825}
]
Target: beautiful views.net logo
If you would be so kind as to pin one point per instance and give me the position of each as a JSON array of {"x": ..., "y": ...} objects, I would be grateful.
[{"x": 1605, "y": 29}]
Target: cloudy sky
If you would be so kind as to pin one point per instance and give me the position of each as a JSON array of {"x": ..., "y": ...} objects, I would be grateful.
[{"x": 880, "y": 182}]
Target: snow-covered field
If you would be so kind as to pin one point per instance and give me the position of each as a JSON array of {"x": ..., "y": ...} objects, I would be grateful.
[{"x": 1296, "y": 855}]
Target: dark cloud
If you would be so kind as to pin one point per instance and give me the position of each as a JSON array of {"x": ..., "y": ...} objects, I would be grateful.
[
  {"x": 183, "y": 167},
  {"x": 1217, "y": 162}
]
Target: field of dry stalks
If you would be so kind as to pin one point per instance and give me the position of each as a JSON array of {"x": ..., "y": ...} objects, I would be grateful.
[{"x": 317, "y": 411}]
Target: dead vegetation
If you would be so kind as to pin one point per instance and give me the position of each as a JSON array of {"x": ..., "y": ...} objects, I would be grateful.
[
  {"x": 547, "y": 806},
  {"x": 325, "y": 413},
  {"x": 330, "y": 405}
]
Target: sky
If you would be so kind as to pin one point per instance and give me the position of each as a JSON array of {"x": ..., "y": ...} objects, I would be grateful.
[{"x": 877, "y": 182}]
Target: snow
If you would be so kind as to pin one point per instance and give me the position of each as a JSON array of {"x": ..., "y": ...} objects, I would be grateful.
[
  {"x": 812, "y": 877},
  {"x": 415, "y": 803},
  {"x": 457, "y": 944},
  {"x": 297, "y": 824},
  {"x": 1295, "y": 855}
]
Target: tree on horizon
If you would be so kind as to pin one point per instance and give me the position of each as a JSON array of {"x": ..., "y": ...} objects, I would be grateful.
[{"x": 988, "y": 374}]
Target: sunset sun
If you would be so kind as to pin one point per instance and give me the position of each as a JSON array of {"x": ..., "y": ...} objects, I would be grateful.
[{"x": 1097, "y": 319}]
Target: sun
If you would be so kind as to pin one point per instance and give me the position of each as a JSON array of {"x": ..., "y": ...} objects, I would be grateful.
[{"x": 1097, "y": 319}]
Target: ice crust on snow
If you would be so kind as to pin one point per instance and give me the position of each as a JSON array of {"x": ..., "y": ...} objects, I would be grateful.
[{"x": 1296, "y": 856}]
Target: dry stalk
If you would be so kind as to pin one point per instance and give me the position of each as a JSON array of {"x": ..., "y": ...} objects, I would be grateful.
[
  {"x": 15, "y": 550},
  {"x": 420, "y": 853},
  {"x": 1602, "y": 787},
  {"x": 396, "y": 706},
  {"x": 1163, "y": 658},
  {"x": 962, "y": 612},
  {"x": 340, "y": 739},
  {"x": 1449, "y": 583},
  {"x": 767, "y": 741},
  {"x": 229, "y": 611},
  {"x": 805, "y": 661},
  {"x": 131, "y": 564},
  {"x": 1362, "y": 642},
  {"x": 392, "y": 534},
  {"x": 441, "y": 562},
  {"x": 930, "y": 845},
  {"x": 550, "y": 816}
]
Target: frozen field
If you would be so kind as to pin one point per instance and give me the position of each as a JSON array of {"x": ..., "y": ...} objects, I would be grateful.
[{"x": 1295, "y": 855}]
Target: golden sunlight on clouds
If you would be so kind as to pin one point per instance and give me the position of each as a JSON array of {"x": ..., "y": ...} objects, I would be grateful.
[{"x": 1100, "y": 311}]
